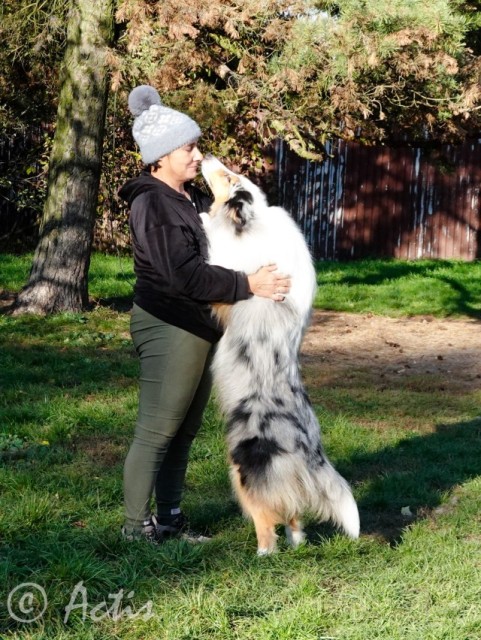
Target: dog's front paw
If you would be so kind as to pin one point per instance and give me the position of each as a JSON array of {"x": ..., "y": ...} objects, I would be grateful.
[{"x": 266, "y": 551}]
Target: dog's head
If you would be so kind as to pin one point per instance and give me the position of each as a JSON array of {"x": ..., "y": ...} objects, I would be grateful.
[{"x": 235, "y": 197}]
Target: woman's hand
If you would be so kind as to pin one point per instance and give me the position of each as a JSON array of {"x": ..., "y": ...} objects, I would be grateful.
[{"x": 268, "y": 283}]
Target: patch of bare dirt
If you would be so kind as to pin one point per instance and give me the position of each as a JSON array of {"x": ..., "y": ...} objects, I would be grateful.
[
  {"x": 390, "y": 349},
  {"x": 100, "y": 450},
  {"x": 362, "y": 351}
]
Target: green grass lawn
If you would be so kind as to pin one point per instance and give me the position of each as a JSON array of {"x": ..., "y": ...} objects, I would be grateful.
[
  {"x": 68, "y": 393},
  {"x": 399, "y": 288}
]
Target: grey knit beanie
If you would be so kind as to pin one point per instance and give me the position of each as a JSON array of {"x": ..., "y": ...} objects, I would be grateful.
[{"x": 157, "y": 129}]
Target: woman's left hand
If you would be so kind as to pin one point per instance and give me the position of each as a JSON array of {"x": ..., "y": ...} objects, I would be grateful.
[{"x": 267, "y": 282}]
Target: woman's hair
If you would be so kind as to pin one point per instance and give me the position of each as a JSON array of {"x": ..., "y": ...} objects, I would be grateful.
[{"x": 152, "y": 166}]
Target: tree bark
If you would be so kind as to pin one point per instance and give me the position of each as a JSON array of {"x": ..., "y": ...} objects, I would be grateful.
[{"x": 58, "y": 279}]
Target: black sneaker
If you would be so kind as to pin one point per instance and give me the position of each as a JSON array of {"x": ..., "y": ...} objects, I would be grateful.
[
  {"x": 148, "y": 532},
  {"x": 171, "y": 526},
  {"x": 177, "y": 527},
  {"x": 154, "y": 532}
]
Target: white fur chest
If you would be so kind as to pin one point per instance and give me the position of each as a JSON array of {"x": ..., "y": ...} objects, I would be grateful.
[{"x": 271, "y": 238}]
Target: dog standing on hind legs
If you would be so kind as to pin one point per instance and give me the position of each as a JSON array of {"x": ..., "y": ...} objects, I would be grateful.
[{"x": 278, "y": 467}]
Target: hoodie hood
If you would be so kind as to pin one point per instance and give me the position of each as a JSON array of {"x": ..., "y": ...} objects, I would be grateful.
[{"x": 141, "y": 184}]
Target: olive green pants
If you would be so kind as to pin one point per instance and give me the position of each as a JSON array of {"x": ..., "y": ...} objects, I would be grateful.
[{"x": 175, "y": 384}]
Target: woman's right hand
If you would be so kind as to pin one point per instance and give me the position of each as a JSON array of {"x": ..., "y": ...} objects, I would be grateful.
[{"x": 267, "y": 282}]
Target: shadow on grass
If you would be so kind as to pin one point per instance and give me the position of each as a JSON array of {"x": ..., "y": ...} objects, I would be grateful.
[
  {"x": 66, "y": 392},
  {"x": 58, "y": 551},
  {"x": 96, "y": 366},
  {"x": 416, "y": 474},
  {"x": 375, "y": 273},
  {"x": 464, "y": 300},
  {"x": 121, "y": 304},
  {"x": 7, "y": 300}
]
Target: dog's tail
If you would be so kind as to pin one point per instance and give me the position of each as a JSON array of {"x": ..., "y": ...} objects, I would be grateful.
[
  {"x": 288, "y": 486},
  {"x": 323, "y": 492},
  {"x": 333, "y": 500}
]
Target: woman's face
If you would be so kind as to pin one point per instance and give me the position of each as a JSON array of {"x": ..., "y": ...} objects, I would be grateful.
[{"x": 183, "y": 164}]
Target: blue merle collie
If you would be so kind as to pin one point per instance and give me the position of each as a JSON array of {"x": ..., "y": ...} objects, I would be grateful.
[{"x": 278, "y": 467}]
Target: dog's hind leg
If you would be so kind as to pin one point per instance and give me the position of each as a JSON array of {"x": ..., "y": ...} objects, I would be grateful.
[
  {"x": 265, "y": 522},
  {"x": 264, "y": 518},
  {"x": 294, "y": 533}
]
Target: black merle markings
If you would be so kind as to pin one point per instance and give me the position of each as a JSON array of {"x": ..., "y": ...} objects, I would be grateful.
[
  {"x": 270, "y": 417},
  {"x": 243, "y": 413},
  {"x": 319, "y": 457},
  {"x": 240, "y": 415},
  {"x": 254, "y": 455},
  {"x": 237, "y": 204},
  {"x": 243, "y": 354},
  {"x": 302, "y": 446},
  {"x": 240, "y": 198},
  {"x": 314, "y": 457},
  {"x": 300, "y": 391}
]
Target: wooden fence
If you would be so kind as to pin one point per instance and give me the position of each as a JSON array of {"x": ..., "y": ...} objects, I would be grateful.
[
  {"x": 401, "y": 202},
  {"x": 379, "y": 201}
]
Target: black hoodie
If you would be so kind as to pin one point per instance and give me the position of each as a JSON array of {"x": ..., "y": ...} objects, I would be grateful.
[{"x": 174, "y": 282}]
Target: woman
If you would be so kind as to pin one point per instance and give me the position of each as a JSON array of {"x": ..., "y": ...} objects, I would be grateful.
[{"x": 171, "y": 324}]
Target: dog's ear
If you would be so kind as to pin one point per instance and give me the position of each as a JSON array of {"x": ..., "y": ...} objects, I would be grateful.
[{"x": 239, "y": 208}]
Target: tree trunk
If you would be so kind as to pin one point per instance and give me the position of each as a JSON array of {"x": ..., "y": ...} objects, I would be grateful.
[{"x": 58, "y": 278}]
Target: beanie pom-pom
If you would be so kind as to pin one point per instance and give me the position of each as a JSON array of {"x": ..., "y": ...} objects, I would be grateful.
[{"x": 141, "y": 98}]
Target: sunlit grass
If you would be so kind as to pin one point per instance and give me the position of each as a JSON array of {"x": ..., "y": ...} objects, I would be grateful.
[
  {"x": 400, "y": 288},
  {"x": 386, "y": 287}
]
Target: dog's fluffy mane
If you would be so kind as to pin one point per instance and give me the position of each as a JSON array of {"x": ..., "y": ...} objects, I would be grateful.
[{"x": 245, "y": 233}]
